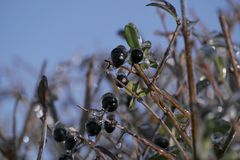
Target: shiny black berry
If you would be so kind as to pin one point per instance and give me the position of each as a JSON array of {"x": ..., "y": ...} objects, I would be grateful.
[
  {"x": 70, "y": 143},
  {"x": 161, "y": 142},
  {"x": 109, "y": 102},
  {"x": 118, "y": 56},
  {"x": 122, "y": 78},
  {"x": 110, "y": 125},
  {"x": 65, "y": 157},
  {"x": 60, "y": 134},
  {"x": 93, "y": 128},
  {"x": 136, "y": 56}
]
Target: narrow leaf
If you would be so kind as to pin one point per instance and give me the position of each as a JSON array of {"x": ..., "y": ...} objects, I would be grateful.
[
  {"x": 221, "y": 70},
  {"x": 129, "y": 88},
  {"x": 165, "y": 6}
]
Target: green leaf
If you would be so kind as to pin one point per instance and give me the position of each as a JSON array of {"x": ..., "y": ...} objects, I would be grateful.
[
  {"x": 181, "y": 118},
  {"x": 132, "y": 36},
  {"x": 153, "y": 64},
  {"x": 165, "y": 6},
  {"x": 143, "y": 92},
  {"x": 129, "y": 88},
  {"x": 221, "y": 69},
  {"x": 146, "y": 47},
  {"x": 132, "y": 103}
]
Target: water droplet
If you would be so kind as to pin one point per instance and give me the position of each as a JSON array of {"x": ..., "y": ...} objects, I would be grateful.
[
  {"x": 92, "y": 138},
  {"x": 209, "y": 50},
  {"x": 119, "y": 155},
  {"x": 37, "y": 107},
  {"x": 210, "y": 92},
  {"x": 171, "y": 61},
  {"x": 210, "y": 116},
  {"x": 220, "y": 108},
  {"x": 39, "y": 113},
  {"x": 217, "y": 137},
  {"x": 118, "y": 145},
  {"x": 25, "y": 139}
]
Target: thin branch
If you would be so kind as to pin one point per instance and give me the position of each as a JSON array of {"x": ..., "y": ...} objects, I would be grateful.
[
  {"x": 167, "y": 52},
  {"x": 191, "y": 83},
  {"x": 42, "y": 97},
  {"x": 163, "y": 93},
  {"x": 88, "y": 95},
  {"x": 14, "y": 126},
  {"x": 228, "y": 41},
  {"x": 33, "y": 102},
  {"x": 140, "y": 100}
]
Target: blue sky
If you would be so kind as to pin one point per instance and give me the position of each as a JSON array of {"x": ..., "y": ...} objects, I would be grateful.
[{"x": 58, "y": 29}]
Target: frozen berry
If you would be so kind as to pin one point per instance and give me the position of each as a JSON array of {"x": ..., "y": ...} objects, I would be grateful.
[
  {"x": 118, "y": 56},
  {"x": 109, "y": 102},
  {"x": 60, "y": 134},
  {"x": 110, "y": 126},
  {"x": 161, "y": 142},
  {"x": 136, "y": 56},
  {"x": 123, "y": 79},
  {"x": 70, "y": 143},
  {"x": 93, "y": 128},
  {"x": 65, "y": 157}
]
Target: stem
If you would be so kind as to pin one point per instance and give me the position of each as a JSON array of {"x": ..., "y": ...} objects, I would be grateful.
[
  {"x": 15, "y": 122},
  {"x": 29, "y": 114},
  {"x": 167, "y": 52},
  {"x": 140, "y": 100},
  {"x": 43, "y": 136},
  {"x": 163, "y": 93},
  {"x": 191, "y": 83},
  {"x": 228, "y": 41},
  {"x": 88, "y": 94},
  {"x": 146, "y": 142},
  {"x": 232, "y": 58}
]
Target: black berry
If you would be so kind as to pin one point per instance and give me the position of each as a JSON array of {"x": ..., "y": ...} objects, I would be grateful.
[
  {"x": 109, "y": 102},
  {"x": 70, "y": 143},
  {"x": 110, "y": 126},
  {"x": 136, "y": 56},
  {"x": 65, "y": 157},
  {"x": 118, "y": 56},
  {"x": 93, "y": 128},
  {"x": 161, "y": 142},
  {"x": 122, "y": 78},
  {"x": 60, "y": 134}
]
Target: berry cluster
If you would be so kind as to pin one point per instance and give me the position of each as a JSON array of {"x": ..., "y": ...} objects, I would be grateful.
[
  {"x": 120, "y": 54},
  {"x": 70, "y": 140},
  {"x": 94, "y": 125}
]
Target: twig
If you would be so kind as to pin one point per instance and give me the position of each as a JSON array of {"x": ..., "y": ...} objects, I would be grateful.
[
  {"x": 167, "y": 52},
  {"x": 145, "y": 141},
  {"x": 88, "y": 95},
  {"x": 191, "y": 83},
  {"x": 15, "y": 122},
  {"x": 157, "y": 99},
  {"x": 29, "y": 114},
  {"x": 42, "y": 97},
  {"x": 140, "y": 100},
  {"x": 228, "y": 41},
  {"x": 163, "y": 93}
]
